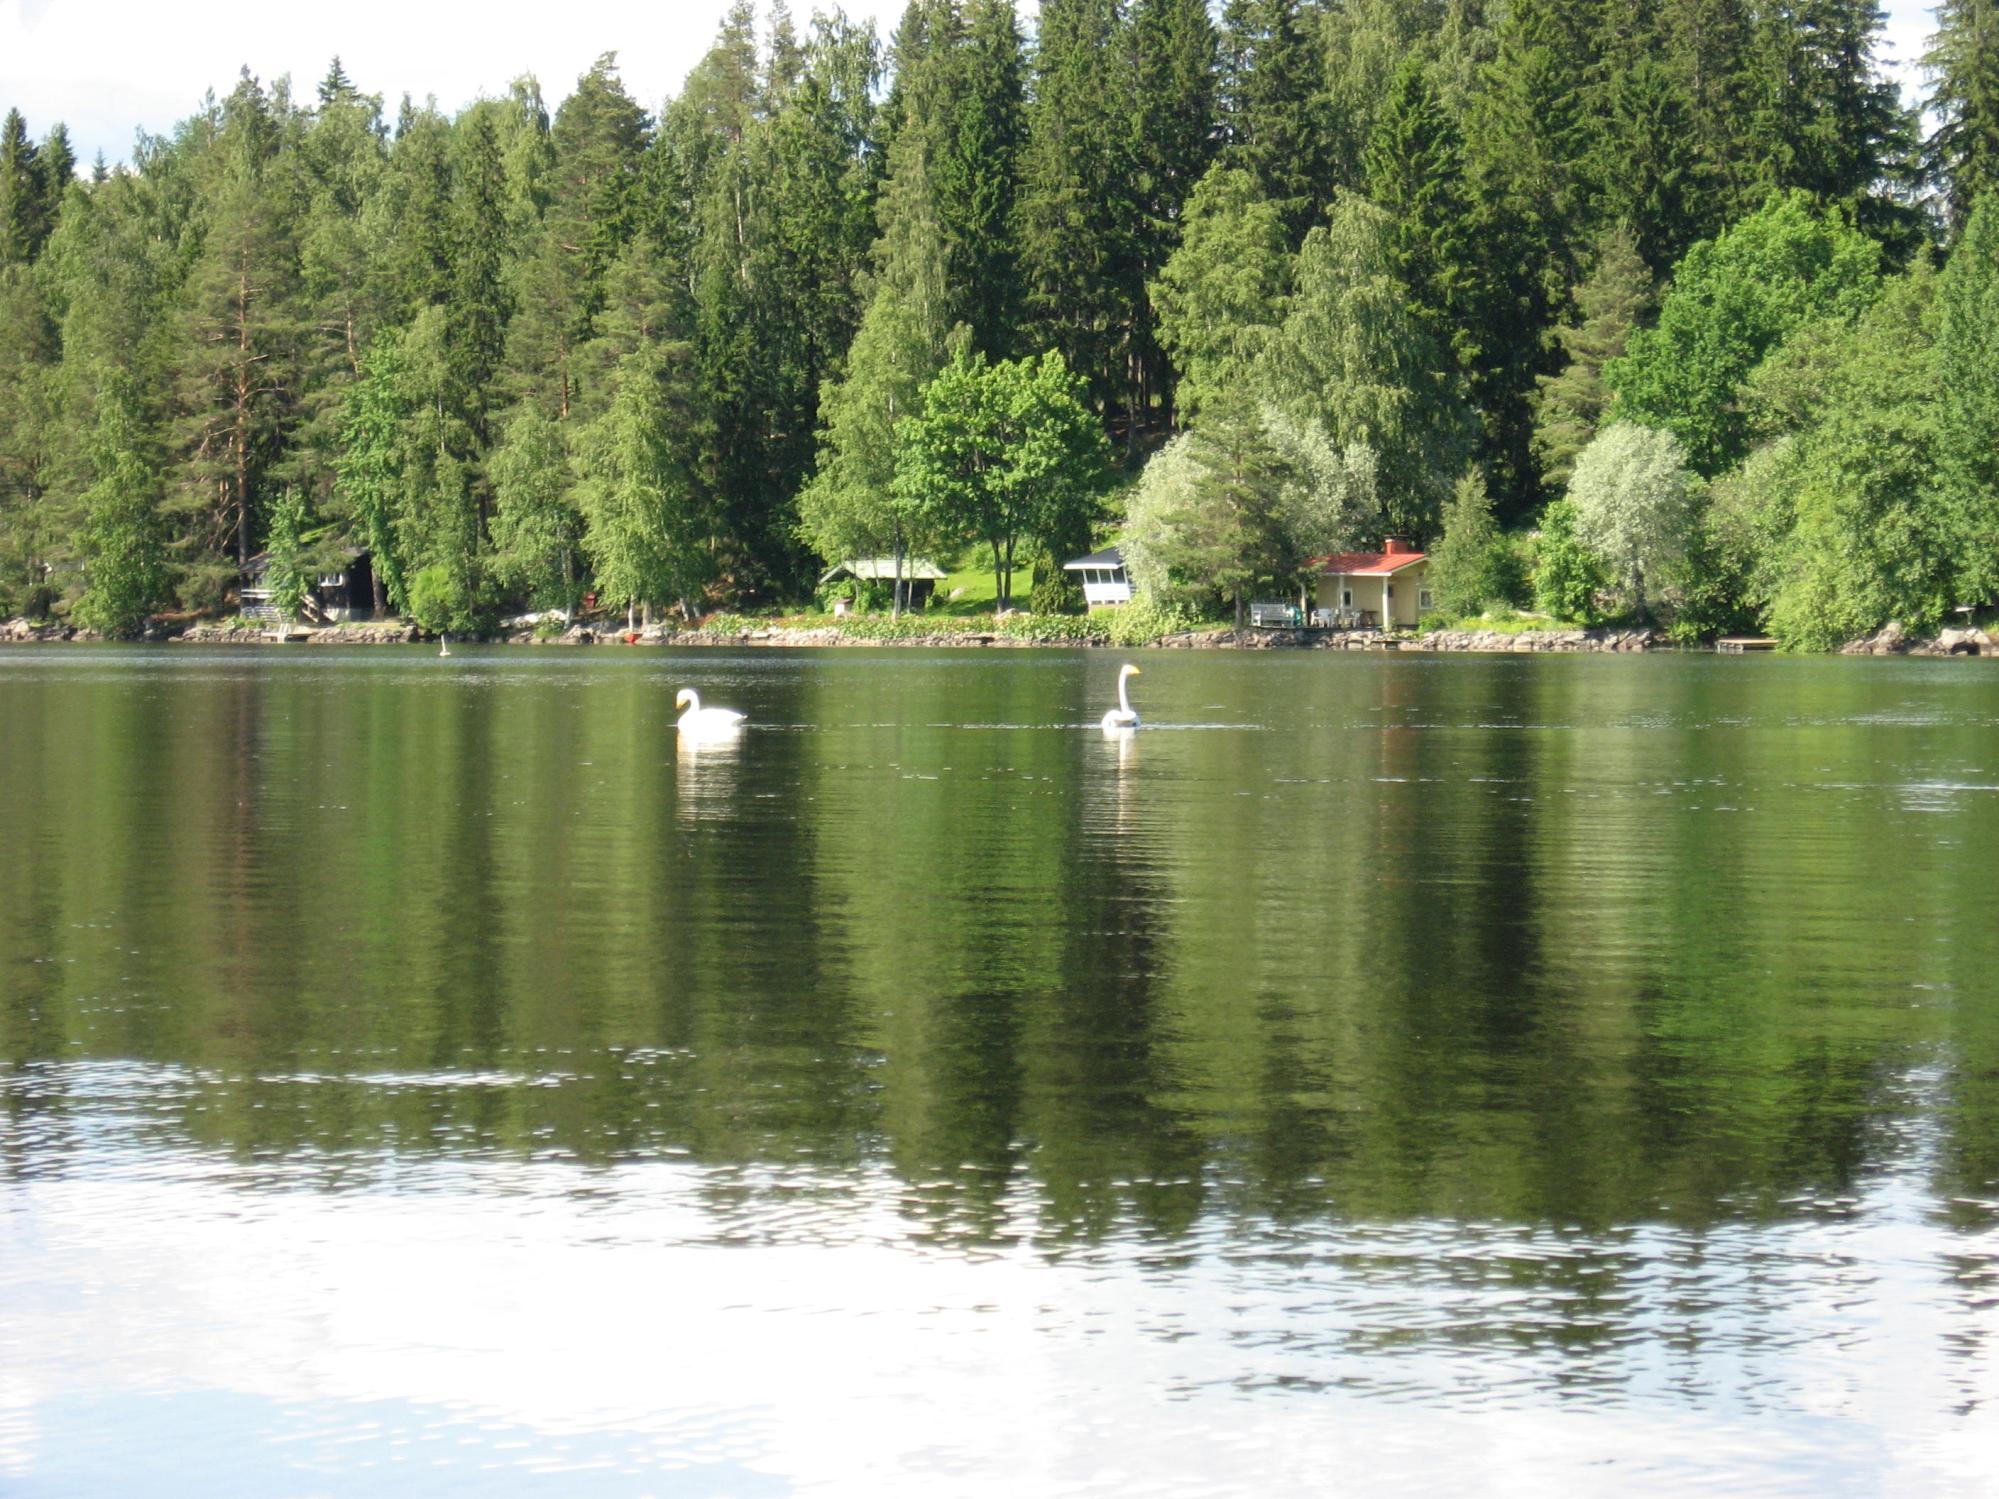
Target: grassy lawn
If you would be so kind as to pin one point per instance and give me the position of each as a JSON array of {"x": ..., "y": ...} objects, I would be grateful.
[
  {"x": 976, "y": 590},
  {"x": 1502, "y": 624}
]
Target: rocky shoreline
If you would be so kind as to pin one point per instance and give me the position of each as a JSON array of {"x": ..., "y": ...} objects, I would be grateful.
[{"x": 1891, "y": 640}]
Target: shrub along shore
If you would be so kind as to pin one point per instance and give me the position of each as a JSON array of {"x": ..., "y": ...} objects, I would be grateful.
[{"x": 1158, "y": 629}]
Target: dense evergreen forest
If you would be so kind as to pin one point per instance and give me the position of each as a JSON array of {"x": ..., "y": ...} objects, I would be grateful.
[{"x": 1671, "y": 309}]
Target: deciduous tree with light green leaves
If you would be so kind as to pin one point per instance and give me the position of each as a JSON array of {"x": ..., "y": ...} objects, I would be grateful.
[
  {"x": 536, "y": 530},
  {"x": 288, "y": 571},
  {"x": 644, "y": 528},
  {"x": 1244, "y": 499},
  {"x": 1221, "y": 296},
  {"x": 1001, "y": 454},
  {"x": 1351, "y": 357},
  {"x": 1733, "y": 299},
  {"x": 1968, "y": 374},
  {"x": 1568, "y": 576},
  {"x": 1862, "y": 511},
  {"x": 124, "y": 541}
]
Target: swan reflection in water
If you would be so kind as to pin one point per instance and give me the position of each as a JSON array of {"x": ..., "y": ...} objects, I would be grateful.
[{"x": 705, "y": 781}]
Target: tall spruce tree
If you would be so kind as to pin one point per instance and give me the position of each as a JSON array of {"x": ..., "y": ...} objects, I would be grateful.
[
  {"x": 1650, "y": 169},
  {"x": 1365, "y": 43},
  {"x": 336, "y": 85},
  {"x": 1274, "y": 109},
  {"x": 1706, "y": 45},
  {"x": 851, "y": 507},
  {"x": 1615, "y": 299},
  {"x": 979, "y": 133},
  {"x": 1531, "y": 138},
  {"x": 342, "y": 295},
  {"x": 1174, "y": 55},
  {"x": 1415, "y": 173},
  {"x": 1827, "y": 121},
  {"x": 1076, "y": 202},
  {"x": 58, "y": 172},
  {"x": 415, "y": 244},
  {"x": 22, "y": 201},
  {"x": 596, "y": 155},
  {"x": 476, "y": 314},
  {"x": 31, "y": 529},
  {"x": 1961, "y": 155},
  {"x": 239, "y": 341}
]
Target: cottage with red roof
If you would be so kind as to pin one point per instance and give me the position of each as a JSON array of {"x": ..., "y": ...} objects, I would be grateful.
[{"x": 1385, "y": 589}]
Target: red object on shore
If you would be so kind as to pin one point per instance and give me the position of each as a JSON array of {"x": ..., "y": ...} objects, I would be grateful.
[{"x": 631, "y": 637}]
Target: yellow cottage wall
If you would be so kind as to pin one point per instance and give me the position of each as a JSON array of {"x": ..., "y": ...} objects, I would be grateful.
[{"x": 1405, "y": 603}]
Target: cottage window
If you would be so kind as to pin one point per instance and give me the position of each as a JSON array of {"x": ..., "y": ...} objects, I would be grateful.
[
  {"x": 1346, "y": 598},
  {"x": 1423, "y": 599}
]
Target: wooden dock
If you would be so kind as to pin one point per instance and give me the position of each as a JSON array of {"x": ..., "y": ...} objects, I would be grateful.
[{"x": 1735, "y": 645}]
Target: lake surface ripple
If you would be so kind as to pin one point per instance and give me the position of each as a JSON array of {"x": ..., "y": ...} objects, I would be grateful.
[{"x": 1380, "y": 1074}]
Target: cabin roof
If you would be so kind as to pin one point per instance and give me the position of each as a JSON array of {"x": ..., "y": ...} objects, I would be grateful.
[
  {"x": 1108, "y": 557},
  {"x": 260, "y": 562},
  {"x": 882, "y": 569},
  {"x": 1367, "y": 564}
]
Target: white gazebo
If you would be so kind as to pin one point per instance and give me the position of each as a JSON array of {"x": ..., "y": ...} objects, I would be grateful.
[{"x": 1103, "y": 577}]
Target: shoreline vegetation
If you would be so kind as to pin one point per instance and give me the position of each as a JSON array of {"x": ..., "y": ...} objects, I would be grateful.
[
  {"x": 1683, "y": 321},
  {"x": 1521, "y": 636}
]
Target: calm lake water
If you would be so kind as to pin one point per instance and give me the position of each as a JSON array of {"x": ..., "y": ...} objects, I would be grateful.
[{"x": 1382, "y": 1074}]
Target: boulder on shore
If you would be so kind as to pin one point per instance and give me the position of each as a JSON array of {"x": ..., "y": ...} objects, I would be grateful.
[{"x": 1892, "y": 640}]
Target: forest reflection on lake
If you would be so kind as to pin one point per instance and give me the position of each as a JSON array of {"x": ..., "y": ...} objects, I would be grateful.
[{"x": 1377, "y": 1071}]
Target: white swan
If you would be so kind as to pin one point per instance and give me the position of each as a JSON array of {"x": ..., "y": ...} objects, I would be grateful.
[
  {"x": 1121, "y": 718},
  {"x": 444, "y": 646},
  {"x": 700, "y": 720}
]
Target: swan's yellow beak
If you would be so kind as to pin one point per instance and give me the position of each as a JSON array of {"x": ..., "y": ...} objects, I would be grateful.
[
  {"x": 680, "y": 698},
  {"x": 1136, "y": 672}
]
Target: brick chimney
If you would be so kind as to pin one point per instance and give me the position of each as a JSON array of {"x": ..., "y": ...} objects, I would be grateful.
[{"x": 1397, "y": 546}]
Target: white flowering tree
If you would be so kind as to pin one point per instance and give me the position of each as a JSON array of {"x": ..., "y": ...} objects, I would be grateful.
[{"x": 1634, "y": 503}]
